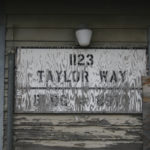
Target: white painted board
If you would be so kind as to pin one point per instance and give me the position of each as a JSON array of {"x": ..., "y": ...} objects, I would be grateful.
[{"x": 79, "y": 80}]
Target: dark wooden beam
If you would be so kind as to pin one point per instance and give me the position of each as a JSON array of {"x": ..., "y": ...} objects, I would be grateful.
[
  {"x": 148, "y": 61},
  {"x": 11, "y": 66},
  {"x": 2, "y": 64}
]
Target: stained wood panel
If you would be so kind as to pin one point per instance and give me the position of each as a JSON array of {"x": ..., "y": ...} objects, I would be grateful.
[{"x": 146, "y": 113}]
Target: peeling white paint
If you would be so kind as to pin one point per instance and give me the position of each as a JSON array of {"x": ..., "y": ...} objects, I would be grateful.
[{"x": 79, "y": 80}]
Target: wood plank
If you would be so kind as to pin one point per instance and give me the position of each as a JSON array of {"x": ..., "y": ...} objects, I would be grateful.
[
  {"x": 2, "y": 66},
  {"x": 6, "y": 75},
  {"x": 146, "y": 113},
  {"x": 66, "y": 35},
  {"x": 105, "y": 44},
  {"x": 71, "y": 133},
  {"x": 76, "y": 120},
  {"x": 40, "y": 34},
  {"x": 48, "y": 11},
  {"x": 6, "y": 62},
  {"x": 11, "y": 84},
  {"x": 77, "y": 145},
  {"x": 93, "y": 101},
  {"x": 73, "y": 21}
]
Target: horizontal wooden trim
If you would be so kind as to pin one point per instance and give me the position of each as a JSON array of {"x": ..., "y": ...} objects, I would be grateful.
[
  {"x": 73, "y": 21},
  {"x": 71, "y": 133},
  {"x": 106, "y": 44},
  {"x": 61, "y": 35},
  {"x": 76, "y": 145},
  {"x": 77, "y": 120}
]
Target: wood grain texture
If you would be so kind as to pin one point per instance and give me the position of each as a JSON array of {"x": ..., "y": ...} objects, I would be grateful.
[
  {"x": 77, "y": 120},
  {"x": 71, "y": 133},
  {"x": 77, "y": 145},
  {"x": 146, "y": 113},
  {"x": 57, "y": 132}
]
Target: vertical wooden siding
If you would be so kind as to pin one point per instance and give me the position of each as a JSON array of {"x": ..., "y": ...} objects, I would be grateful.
[{"x": 112, "y": 28}]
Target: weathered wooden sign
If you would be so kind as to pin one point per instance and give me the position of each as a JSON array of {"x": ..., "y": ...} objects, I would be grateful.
[{"x": 79, "y": 80}]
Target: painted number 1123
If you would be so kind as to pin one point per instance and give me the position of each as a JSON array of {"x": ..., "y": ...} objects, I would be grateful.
[{"x": 81, "y": 59}]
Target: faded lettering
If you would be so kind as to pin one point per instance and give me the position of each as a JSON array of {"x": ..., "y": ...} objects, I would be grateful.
[{"x": 40, "y": 74}]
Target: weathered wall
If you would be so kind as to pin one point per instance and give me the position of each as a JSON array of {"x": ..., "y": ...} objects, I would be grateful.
[
  {"x": 53, "y": 24},
  {"x": 146, "y": 113}
]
